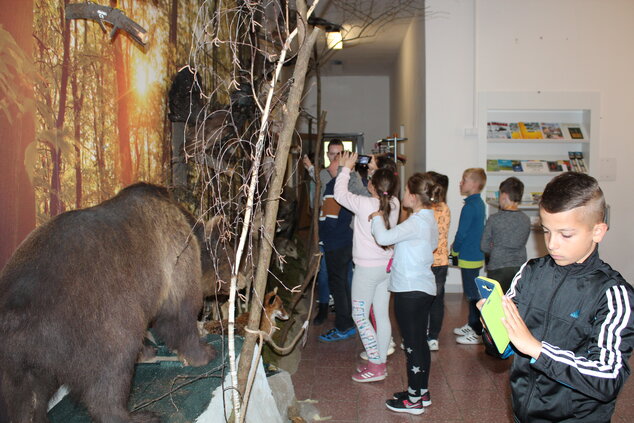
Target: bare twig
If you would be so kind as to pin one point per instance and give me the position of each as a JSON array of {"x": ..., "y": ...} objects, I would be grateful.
[
  {"x": 284, "y": 141},
  {"x": 193, "y": 379}
]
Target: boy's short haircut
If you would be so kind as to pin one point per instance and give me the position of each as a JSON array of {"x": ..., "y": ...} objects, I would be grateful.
[
  {"x": 570, "y": 190},
  {"x": 334, "y": 141},
  {"x": 514, "y": 188},
  {"x": 477, "y": 174}
]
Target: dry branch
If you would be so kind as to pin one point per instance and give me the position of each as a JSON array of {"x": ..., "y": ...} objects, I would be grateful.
[{"x": 281, "y": 156}]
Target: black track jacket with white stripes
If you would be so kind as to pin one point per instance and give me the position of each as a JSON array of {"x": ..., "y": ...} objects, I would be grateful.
[{"x": 583, "y": 315}]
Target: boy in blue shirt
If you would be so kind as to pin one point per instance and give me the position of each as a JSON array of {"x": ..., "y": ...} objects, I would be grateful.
[{"x": 466, "y": 247}]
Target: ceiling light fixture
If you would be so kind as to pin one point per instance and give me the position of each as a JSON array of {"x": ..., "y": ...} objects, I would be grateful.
[{"x": 334, "y": 40}]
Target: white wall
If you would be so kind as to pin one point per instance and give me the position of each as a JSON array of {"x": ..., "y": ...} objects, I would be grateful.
[
  {"x": 547, "y": 45},
  {"x": 353, "y": 104},
  {"x": 450, "y": 106},
  {"x": 408, "y": 97}
]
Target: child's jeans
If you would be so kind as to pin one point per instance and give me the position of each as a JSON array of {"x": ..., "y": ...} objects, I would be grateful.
[
  {"x": 322, "y": 279},
  {"x": 471, "y": 292}
]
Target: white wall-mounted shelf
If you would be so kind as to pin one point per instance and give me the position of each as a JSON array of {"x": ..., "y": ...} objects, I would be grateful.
[
  {"x": 582, "y": 108},
  {"x": 538, "y": 141}
]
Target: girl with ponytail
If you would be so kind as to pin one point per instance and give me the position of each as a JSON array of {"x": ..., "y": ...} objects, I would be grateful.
[
  {"x": 383, "y": 185},
  {"x": 371, "y": 278},
  {"x": 413, "y": 284}
]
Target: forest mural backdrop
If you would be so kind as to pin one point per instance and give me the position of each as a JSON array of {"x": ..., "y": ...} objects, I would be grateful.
[
  {"x": 83, "y": 115},
  {"x": 101, "y": 120}
]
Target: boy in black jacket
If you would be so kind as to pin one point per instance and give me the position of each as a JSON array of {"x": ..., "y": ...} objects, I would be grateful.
[{"x": 568, "y": 314}]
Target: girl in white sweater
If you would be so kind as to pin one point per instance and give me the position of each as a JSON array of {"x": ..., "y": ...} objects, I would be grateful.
[
  {"x": 413, "y": 285},
  {"x": 371, "y": 278}
]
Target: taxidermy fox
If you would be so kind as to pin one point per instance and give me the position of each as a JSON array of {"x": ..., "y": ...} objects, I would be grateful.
[{"x": 273, "y": 309}]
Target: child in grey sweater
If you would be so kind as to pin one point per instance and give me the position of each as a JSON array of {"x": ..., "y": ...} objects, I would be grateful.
[{"x": 505, "y": 235}]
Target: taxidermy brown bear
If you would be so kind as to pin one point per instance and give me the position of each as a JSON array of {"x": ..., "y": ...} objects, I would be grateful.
[{"x": 79, "y": 293}]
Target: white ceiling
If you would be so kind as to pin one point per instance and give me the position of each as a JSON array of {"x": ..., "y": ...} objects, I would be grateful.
[{"x": 375, "y": 52}]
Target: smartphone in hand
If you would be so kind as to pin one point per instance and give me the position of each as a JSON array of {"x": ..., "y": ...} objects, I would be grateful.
[{"x": 363, "y": 159}]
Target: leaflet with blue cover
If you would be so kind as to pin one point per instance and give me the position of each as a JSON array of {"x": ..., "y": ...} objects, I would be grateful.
[{"x": 492, "y": 312}]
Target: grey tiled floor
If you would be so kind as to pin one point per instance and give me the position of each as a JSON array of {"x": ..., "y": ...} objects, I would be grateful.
[{"x": 466, "y": 384}]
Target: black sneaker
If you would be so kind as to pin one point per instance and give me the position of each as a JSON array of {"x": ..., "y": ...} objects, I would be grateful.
[
  {"x": 403, "y": 395},
  {"x": 404, "y": 406}
]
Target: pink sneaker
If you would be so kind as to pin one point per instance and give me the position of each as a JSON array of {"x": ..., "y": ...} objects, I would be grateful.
[
  {"x": 372, "y": 373},
  {"x": 361, "y": 367}
]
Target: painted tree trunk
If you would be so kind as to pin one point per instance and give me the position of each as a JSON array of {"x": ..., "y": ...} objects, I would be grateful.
[
  {"x": 56, "y": 204},
  {"x": 78, "y": 100},
  {"x": 123, "y": 120},
  {"x": 17, "y": 197}
]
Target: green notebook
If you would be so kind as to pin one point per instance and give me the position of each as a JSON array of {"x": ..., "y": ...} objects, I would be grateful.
[{"x": 492, "y": 312}]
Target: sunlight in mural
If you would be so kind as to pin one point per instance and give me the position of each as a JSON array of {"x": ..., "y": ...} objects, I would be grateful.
[
  {"x": 107, "y": 134},
  {"x": 145, "y": 73},
  {"x": 142, "y": 78}
]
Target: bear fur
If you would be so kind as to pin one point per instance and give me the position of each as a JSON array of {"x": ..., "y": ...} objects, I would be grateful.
[{"x": 78, "y": 295}]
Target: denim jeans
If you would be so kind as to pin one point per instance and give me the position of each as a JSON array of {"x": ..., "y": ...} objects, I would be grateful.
[
  {"x": 322, "y": 279},
  {"x": 472, "y": 294}
]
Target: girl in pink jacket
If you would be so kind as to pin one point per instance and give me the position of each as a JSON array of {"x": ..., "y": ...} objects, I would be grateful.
[{"x": 371, "y": 278}]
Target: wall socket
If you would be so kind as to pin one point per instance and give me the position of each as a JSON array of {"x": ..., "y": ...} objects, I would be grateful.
[{"x": 607, "y": 169}]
